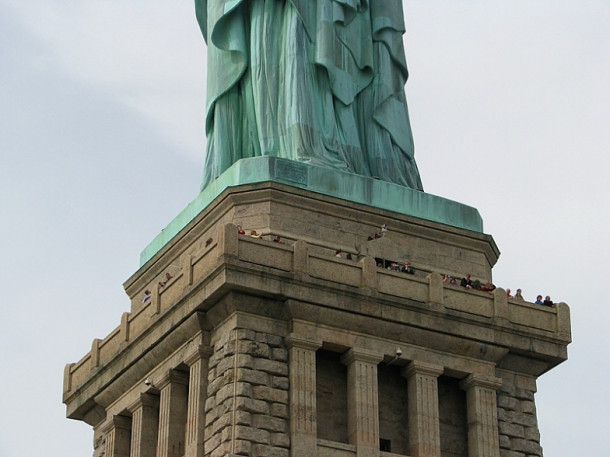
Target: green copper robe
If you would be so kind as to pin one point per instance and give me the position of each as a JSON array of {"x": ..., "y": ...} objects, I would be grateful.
[{"x": 315, "y": 81}]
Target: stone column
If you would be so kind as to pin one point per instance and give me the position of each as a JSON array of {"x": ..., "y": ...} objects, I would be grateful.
[
  {"x": 118, "y": 436},
  {"x": 144, "y": 426},
  {"x": 362, "y": 401},
  {"x": 482, "y": 412},
  {"x": 197, "y": 395},
  {"x": 302, "y": 379},
  {"x": 172, "y": 414},
  {"x": 424, "y": 425}
]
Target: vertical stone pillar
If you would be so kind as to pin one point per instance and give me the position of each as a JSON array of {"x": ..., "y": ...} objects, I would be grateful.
[
  {"x": 368, "y": 280},
  {"x": 300, "y": 260},
  {"x": 198, "y": 386},
  {"x": 125, "y": 326},
  {"x": 187, "y": 268},
  {"x": 228, "y": 240},
  {"x": 501, "y": 313},
  {"x": 362, "y": 400},
  {"x": 144, "y": 426},
  {"x": 95, "y": 353},
  {"x": 118, "y": 437},
  {"x": 172, "y": 414},
  {"x": 563, "y": 322},
  {"x": 436, "y": 289},
  {"x": 482, "y": 412},
  {"x": 424, "y": 425},
  {"x": 302, "y": 379}
]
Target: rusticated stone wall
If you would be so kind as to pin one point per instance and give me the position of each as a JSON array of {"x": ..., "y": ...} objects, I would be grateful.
[
  {"x": 247, "y": 405},
  {"x": 517, "y": 422},
  {"x": 99, "y": 444}
]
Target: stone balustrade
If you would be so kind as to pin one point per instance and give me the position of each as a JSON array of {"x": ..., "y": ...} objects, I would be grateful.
[{"x": 198, "y": 267}]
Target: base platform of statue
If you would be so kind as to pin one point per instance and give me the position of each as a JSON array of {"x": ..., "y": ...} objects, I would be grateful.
[{"x": 361, "y": 193}]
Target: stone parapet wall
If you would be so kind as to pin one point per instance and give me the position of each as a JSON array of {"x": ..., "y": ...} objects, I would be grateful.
[
  {"x": 286, "y": 263},
  {"x": 247, "y": 406}
]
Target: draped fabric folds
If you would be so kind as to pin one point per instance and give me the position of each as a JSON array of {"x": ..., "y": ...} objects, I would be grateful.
[{"x": 316, "y": 81}]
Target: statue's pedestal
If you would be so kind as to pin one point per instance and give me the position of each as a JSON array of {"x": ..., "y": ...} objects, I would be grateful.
[
  {"x": 262, "y": 348},
  {"x": 360, "y": 190},
  {"x": 329, "y": 224}
]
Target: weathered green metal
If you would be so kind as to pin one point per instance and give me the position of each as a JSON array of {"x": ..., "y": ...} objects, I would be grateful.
[
  {"x": 323, "y": 180},
  {"x": 315, "y": 81}
]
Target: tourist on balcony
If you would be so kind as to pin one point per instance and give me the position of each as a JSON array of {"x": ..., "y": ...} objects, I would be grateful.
[
  {"x": 466, "y": 282},
  {"x": 488, "y": 287},
  {"x": 167, "y": 279},
  {"x": 253, "y": 234},
  {"x": 518, "y": 295},
  {"x": 407, "y": 268}
]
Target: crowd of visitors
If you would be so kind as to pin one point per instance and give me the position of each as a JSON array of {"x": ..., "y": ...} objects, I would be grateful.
[
  {"x": 546, "y": 302},
  {"x": 468, "y": 283},
  {"x": 406, "y": 267}
]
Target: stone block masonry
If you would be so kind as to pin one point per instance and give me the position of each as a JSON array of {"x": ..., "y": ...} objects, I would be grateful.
[
  {"x": 259, "y": 348},
  {"x": 247, "y": 406},
  {"x": 517, "y": 422}
]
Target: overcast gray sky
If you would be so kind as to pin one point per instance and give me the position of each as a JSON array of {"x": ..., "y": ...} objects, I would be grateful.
[{"x": 101, "y": 145}]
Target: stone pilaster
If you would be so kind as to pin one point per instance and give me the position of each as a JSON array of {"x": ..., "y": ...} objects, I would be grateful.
[
  {"x": 481, "y": 406},
  {"x": 198, "y": 386},
  {"x": 302, "y": 378},
  {"x": 362, "y": 400},
  {"x": 118, "y": 437},
  {"x": 172, "y": 414},
  {"x": 424, "y": 425},
  {"x": 144, "y": 426}
]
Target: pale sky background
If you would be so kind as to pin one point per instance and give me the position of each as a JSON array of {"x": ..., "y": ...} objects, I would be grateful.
[{"x": 102, "y": 140}]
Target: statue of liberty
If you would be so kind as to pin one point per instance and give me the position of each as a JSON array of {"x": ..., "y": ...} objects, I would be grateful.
[{"x": 314, "y": 81}]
